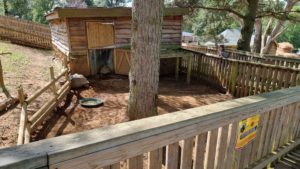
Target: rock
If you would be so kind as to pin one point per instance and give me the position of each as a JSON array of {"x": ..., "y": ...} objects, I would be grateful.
[
  {"x": 105, "y": 70},
  {"x": 78, "y": 81}
]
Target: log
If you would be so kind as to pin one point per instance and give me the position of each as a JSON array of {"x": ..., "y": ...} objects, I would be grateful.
[{"x": 8, "y": 103}]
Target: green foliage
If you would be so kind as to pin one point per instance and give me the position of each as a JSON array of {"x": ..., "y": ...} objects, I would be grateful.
[
  {"x": 110, "y": 3},
  {"x": 19, "y": 8},
  {"x": 207, "y": 25},
  {"x": 291, "y": 35},
  {"x": 40, "y": 8}
]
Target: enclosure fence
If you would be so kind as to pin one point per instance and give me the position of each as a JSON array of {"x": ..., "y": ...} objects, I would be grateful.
[
  {"x": 248, "y": 56},
  {"x": 25, "y": 32},
  {"x": 203, "y": 137},
  {"x": 240, "y": 77},
  {"x": 30, "y": 124}
]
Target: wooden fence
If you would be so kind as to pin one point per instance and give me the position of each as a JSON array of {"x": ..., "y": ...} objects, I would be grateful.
[
  {"x": 203, "y": 137},
  {"x": 242, "y": 78},
  {"x": 253, "y": 57},
  {"x": 25, "y": 32},
  {"x": 29, "y": 124}
]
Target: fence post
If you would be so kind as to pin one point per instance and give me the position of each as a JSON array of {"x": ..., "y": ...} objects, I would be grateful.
[
  {"x": 177, "y": 68},
  {"x": 66, "y": 67},
  {"x": 189, "y": 70},
  {"x": 298, "y": 79},
  {"x": 23, "y": 116},
  {"x": 54, "y": 90},
  {"x": 233, "y": 77}
]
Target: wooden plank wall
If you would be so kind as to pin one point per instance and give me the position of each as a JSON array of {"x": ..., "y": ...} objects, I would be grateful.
[
  {"x": 59, "y": 35},
  {"x": 171, "y": 30}
]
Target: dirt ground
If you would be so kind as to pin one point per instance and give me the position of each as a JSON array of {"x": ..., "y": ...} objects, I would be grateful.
[
  {"x": 72, "y": 117},
  {"x": 27, "y": 67},
  {"x": 30, "y": 68}
]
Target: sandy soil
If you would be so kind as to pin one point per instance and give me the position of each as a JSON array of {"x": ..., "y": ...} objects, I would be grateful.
[
  {"x": 72, "y": 117},
  {"x": 27, "y": 67}
]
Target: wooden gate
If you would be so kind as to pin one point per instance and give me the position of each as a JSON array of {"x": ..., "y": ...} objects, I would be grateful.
[
  {"x": 122, "y": 61},
  {"x": 99, "y": 35}
]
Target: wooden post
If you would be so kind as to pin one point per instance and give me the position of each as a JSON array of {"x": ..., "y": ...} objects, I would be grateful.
[
  {"x": 298, "y": 79},
  {"x": 2, "y": 85},
  {"x": 23, "y": 116},
  {"x": 177, "y": 68},
  {"x": 1, "y": 76},
  {"x": 54, "y": 89},
  {"x": 233, "y": 79},
  {"x": 189, "y": 70},
  {"x": 66, "y": 67}
]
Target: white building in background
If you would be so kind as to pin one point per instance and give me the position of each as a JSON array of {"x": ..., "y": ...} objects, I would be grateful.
[
  {"x": 229, "y": 37},
  {"x": 188, "y": 37}
]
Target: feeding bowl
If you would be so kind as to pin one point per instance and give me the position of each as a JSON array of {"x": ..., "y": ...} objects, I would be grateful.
[{"x": 91, "y": 102}]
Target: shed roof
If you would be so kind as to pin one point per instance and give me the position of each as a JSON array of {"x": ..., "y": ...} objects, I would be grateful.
[{"x": 104, "y": 12}]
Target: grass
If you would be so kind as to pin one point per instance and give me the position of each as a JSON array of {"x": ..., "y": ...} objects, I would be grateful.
[{"x": 14, "y": 62}]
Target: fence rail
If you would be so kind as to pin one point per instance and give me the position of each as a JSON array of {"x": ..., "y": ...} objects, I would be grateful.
[
  {"x": 29, "y": 124},
  {"x": 242, "y": 78},
  {"x": 25, "y": 32},
  {"x": 203, "y": 137},
  {"x": 248, "y": 56}
]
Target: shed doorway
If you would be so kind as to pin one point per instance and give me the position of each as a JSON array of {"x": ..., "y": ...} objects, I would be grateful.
[{"x": 101, "y": 61}]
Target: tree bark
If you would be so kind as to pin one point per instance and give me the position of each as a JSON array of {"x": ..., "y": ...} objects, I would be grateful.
[
  {"x": 258, "y": 36},
  {"x": 147, "y": 16},
  {"x": 248, "y": 27},
  {"x": 5, "y": 7},
  {"x": 276, "y": 30}
]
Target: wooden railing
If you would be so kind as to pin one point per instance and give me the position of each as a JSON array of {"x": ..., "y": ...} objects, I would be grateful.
[
  {"x": 248, "y": 56},
  {"x": 29, "y": 124},
  {"x": 25, "y": 32},
  {"x": 242, "y": 78},
  {"x": 203, "y": 137}
]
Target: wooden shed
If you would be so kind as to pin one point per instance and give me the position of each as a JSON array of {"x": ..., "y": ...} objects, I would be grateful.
[{"x": 91, "y": 36}]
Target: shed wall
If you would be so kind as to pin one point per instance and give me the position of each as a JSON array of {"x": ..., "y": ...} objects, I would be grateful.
[
  {"x": 59, "y": 35},
  {"x": 171, "y": 33},
  {"x": 70, "y": 37}
]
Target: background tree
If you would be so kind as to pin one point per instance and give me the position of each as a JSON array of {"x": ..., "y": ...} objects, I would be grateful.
[
  {"x": 247, "y": 12},
  {"x": 40, "y": 8},
  {"x": 111, "y": 3},
  {"x": 147, "y": 16},
  {"x": 19, "y": 8}
]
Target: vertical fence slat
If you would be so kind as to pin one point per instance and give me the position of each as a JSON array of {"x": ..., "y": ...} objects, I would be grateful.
[
  {"x": 200, "y": 146},
  {"x": 155, "y": 159},
  {"x": 186, "y": 153},
  {"x": 212, "y": 147},
  {"x": 172, "y": 156},
  {"x": 222, "y": 147},
  {"x": 135, "y": 162}
]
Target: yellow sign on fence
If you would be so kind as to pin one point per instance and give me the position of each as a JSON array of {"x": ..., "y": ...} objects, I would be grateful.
[{"x": 247, "y": 131}]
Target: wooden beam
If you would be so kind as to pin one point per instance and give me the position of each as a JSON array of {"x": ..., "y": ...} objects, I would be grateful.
[{"x": 104, "y": 12}]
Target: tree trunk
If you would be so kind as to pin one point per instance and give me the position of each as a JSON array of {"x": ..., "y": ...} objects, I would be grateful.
[
  {"x": 248, "y": 26},
  {"x": 147, "y": 16},
  {"x": 276, "y": 30},
  {"x": 258, "y": 36},
  {"x": 5, "y": 7}
]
